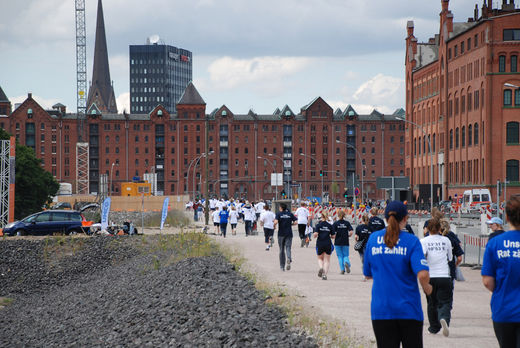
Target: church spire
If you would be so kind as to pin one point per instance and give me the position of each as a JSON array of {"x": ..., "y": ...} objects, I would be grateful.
[{"x": 101, "y": 90}]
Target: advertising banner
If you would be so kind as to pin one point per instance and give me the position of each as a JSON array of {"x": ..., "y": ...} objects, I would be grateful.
[
  {"x": 105, "y": 210},
  {"x": 164, "y": 211}
]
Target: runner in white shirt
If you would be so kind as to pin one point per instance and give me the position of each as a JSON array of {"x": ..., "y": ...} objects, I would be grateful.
[
  {"x": 259, "y": 208},
  {"x": 438, "y": 251},
  {"x": 216, "y": 221},
  {"x": 233, "y": 219},
  {"x": 249, "y": 217},
  {"x": 267, "y": 218},
  {"x": 212, "y": 204},
  {"x": 302, "y": 213}
]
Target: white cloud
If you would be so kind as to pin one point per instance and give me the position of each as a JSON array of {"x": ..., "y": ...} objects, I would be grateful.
[
  {"x": 123, "y": 102},
  {"x": 381, "y": 90},
  {"x": 228, "y": 72}
]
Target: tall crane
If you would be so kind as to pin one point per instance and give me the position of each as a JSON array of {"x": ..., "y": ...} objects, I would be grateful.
[{"x": 82, "y": 156}]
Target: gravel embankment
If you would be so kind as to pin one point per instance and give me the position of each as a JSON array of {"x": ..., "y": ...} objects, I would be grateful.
[{"x": 105, "y": 292}]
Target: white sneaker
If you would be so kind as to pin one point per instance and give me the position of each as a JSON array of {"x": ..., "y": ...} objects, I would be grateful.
[{"x": 445, "y": 327}]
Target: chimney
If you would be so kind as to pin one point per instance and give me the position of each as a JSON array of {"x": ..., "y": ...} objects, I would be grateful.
[
  {"x": 29, "y": 95},
  {"x": 409, "y": 28},
  {"x": 445, "y": 5}
]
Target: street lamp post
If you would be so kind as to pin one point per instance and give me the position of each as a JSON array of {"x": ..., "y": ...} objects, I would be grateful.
[
  {"x": 111, "y": 169},
  {"x": 274, "y": 171},
  {"x": 360, "y": 164},
  {"x": 431, "y": 154},
  {"x": 197, "y": 160},
  {"x": 283, "y": 171},
  {"x": 321, "y": 171}
]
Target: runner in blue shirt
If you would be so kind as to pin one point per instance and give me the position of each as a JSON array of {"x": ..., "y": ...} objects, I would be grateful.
[
  {"x": 394, "y": 259},
  {"x": 224, "y": 215},
  {"x": 501, "y": 276}
]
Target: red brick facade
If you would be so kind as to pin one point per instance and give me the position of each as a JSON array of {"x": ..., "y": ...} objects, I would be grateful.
[
  {"x": 456, "y": 90},
  {"x": 167, "y": 144}
]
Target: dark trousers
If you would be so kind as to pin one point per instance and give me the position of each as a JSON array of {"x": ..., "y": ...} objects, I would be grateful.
[
  {"x": 301, "y": 230},
  {"x": 391, "y": 333},
  {"x": 439, "y": 302},
  {"x": 248, "y": 226},
  {"x": 508, "y": 334},
  {"x": 284, "y": 243},
  {"x": 268, "y": 234},
  {"x": 223, "y": 228}
]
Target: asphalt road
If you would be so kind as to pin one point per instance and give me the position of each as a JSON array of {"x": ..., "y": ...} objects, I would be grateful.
[{"x": 347, "y": 297}]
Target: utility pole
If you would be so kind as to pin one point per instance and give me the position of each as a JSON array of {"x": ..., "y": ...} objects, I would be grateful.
[{"x": 206, "y": 163}]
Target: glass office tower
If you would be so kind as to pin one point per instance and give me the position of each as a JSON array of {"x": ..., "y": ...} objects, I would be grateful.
[{"x": 159, "y": 74}]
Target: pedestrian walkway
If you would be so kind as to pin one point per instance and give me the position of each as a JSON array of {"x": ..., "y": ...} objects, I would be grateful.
[{"x": 347, "y": 297}]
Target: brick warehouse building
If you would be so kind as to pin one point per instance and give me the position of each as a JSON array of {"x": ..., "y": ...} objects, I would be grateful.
[
  {"x": 166, "y": 144},
  {"x": 462, "y": 87}
]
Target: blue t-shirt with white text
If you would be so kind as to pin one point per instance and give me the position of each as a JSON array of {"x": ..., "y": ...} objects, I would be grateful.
[
  {"x": 395, "y": 292},
  {"x": 502, "y": 262}
]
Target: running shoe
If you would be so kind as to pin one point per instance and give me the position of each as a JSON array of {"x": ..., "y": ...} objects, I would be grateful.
[
  {"x": 267, "y": 248},
  {"x": 445, "y": 327},
  {"x": 342, "y": 272},
  {"x": 347, "y": 267},
  {"x": 320, "y": 272},
  {"x": 302, "y": 243},
  {"x": 288, "y": 265},
  {"x": 324, "y": 277}
]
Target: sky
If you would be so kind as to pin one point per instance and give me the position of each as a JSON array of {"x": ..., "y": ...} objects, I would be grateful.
[{"x": 258, "y": 55}]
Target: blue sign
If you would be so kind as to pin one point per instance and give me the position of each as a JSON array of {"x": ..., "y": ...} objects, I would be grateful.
[
  {"x": 356, "y": 191},
  {"x": 164, "y": 211},
  {"x": 136, "y": 178},
  {"x": 105, "y": 210}
]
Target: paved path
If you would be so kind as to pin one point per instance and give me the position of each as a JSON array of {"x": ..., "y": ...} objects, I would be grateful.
[{"x": 347, "y": 297}]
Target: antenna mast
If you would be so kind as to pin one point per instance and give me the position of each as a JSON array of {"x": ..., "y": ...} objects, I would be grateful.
[
  {"x": 81, "y": 61},
  {"x": 82, "y": 153}
]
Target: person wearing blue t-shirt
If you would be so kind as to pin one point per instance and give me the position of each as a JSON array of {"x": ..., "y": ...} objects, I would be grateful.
[
  {"x": 501, "y": 276},
  {"x": 394, "y": 259},
  {"x": 224, "y": 215}
]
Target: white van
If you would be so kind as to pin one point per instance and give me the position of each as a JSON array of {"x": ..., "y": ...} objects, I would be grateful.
[{"x": 476, "y": 196}]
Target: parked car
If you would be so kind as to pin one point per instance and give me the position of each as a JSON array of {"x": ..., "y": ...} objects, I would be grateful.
[
  {"x": 48, "y": 222},
  {"x": 62, "y": 205}
]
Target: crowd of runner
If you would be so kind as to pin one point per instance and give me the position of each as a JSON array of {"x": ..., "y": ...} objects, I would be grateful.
[{"x": 397, "y": 261}]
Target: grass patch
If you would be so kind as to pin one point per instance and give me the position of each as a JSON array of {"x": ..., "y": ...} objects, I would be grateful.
[
  {"x": 5, "y": 301},
  {"x": 326, "y": 332},
  {"x": 171, "y": 248},
  {"x": 175, "y": 218},
  {"x": 58, "y": 247}
]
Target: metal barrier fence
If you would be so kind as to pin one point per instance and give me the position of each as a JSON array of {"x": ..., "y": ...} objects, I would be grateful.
[{"x": 474, "y": 247}]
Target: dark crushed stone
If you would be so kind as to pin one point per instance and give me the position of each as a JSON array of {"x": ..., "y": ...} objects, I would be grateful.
[{"x": 80, "y": 302}]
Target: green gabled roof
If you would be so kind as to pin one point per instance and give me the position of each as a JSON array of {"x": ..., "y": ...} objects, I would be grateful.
[
  {"x": 286, "y": 109},
  {"x": 348, "y": 109}
]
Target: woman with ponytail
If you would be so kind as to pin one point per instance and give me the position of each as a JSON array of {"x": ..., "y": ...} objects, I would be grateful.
[{"x": 394, "y": 259}]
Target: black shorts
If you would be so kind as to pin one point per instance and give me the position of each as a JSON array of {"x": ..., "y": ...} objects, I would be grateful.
[
  {"x": 324, "y": 248},
  {"x": 233, "y": 226},
  {"x": 268, "y": 232},
  {"x": 216, "y": 223},
  {"x": 301, "y": 230}
]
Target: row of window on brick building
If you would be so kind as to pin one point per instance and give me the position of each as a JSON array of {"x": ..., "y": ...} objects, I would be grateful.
[
  {"x": 469, "y": 101},
  {"x": 421, "y": 143}
]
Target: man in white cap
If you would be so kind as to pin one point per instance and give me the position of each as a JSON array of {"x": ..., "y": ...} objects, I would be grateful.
[{"x": 495, "y": 224}]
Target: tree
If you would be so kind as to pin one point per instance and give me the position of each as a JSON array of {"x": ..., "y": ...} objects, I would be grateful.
[{"x": 34, "y": 186}]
